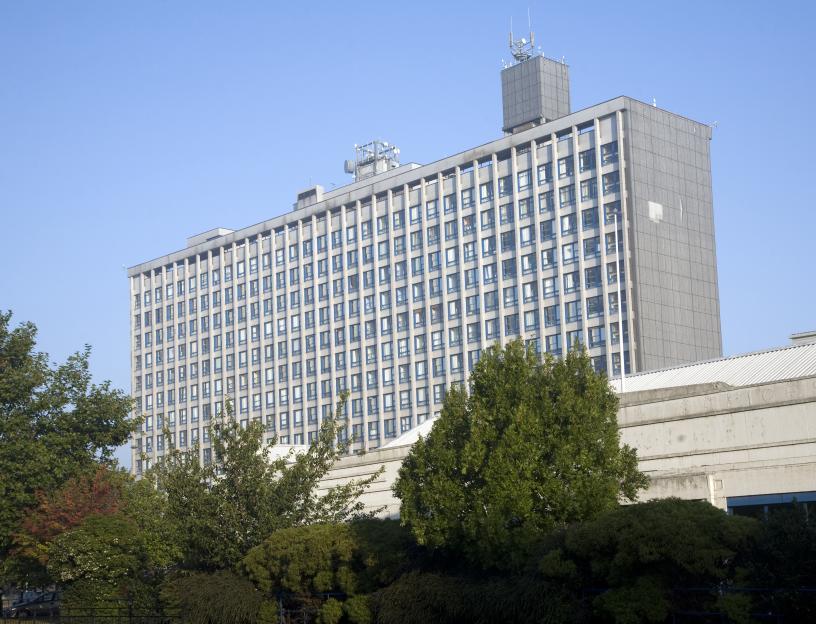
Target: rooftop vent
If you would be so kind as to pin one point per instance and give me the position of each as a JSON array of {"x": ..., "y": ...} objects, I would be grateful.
[{"x": 807, "y": 337}]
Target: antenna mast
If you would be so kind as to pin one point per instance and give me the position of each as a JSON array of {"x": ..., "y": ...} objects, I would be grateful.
[{"x": 522, "y": 49}]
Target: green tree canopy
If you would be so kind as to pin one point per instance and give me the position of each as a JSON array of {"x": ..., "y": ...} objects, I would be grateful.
[
  {"x": 532, "y": 446},
  {"x": 54, "y": 424},
  {"x": 643, "y": 562},
  {"x": 105, "y": 560},
  {"x": 222, "y": 597},
  {"x": 329, "y": 568},
  {"x": 224, "y": 508}
]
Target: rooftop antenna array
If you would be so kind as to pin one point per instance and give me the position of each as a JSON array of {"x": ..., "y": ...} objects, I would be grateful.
[
  {"x": 371, "y": 159},
  {"x": 522, "y": 49}
]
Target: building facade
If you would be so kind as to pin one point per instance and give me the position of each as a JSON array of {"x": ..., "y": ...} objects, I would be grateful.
[
  {"x": 736, "y": 432},
  {"x": 593, "y": 226}
]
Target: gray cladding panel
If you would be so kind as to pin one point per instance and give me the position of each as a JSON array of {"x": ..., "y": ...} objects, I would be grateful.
[
  {"x": 534, "y": 91},
  {"x": 677, "y": 312}
]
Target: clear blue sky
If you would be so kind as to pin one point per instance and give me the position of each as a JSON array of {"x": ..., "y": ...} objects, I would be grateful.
[{"x": 127, "y": 126}]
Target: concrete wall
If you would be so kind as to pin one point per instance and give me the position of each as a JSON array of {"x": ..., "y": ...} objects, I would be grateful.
[
  {"x": 673, "y": 257},
  {"x": 703, "y": 442}
]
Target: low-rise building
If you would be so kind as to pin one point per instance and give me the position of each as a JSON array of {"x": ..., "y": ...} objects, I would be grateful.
[{"x": 739, "y": 432}]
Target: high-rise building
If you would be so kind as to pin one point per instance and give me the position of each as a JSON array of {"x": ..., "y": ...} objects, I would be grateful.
[{"x": 593, "y": 226}]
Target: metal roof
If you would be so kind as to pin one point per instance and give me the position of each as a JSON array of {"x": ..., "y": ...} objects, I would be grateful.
[{"x": 790, "y": 362}]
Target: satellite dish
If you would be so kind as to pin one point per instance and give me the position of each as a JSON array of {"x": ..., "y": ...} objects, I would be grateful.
[
  {"x": 348, "y": 166},
  {"x": 523, "y": 41}
]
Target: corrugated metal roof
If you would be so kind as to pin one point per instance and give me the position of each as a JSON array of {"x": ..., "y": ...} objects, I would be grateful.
[{"x": 790, "y": 362}]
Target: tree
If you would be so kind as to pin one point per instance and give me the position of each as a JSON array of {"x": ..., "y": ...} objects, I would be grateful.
[
  {"x": 436, "y": 596},
  {"x": 330, "y": 569},
  {"x": 97, "y": 493},
  {"x": 223, "y": 597},
  {"x": 640, "y": 563},
  {"x": 532, "y": 446},
  {"x": 220, "y": 510},
  {"x": 54, "y": 424},
  {"x": 107, "y": 559},
  {"x": 784, "y": 559}
]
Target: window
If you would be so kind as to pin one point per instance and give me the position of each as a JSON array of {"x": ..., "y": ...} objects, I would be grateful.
[
  {"x": 452, "y": 282},
  {"x": 531, "y": 320},
  {"x": 511, "y": 324},
  {"x": 510, "y": 296},
  {"x": 547, "y": 229},
  {"x": 589, "y": 189},
  {"x": 550, "y": 286},
  {"x": 489, "y": 246},
  {"x": 449, "y": 204},
  {"x": 452, "y": 256},
  {"x": 399, "y": 219},
  {"x": 505, "y": 186},
  {"x": 509, "y": 268},
  {"x": 566, "y": 195},
  {"x": 571, "y": 282},
  {"x": 575, "y": 338},
  {"x": 471, "y": 278},
  {"x": 569, "y": 252},
  {"x": 525, "y": 179},
  {"x": 489, "y": 273},
  {"x": 508, "y": 241},
  {"x": 528, "y": 263},
  {"x": 491, "y": 300},
  {"x": 589, "y": 219},
  {"x": 467, "y": 198},
  {"x": 613, "y": 302},
  {"x": 612, "y": 272},
  {"x": 611, "y": 210},
  {"x": 451, "y": 230},
  {"x": 592, "y": 247},
  {"x": 525, "y": 208},
  {"x": 545, "y": 173},
  {"x": 594, "y": 306},
  {"x": 552, "y": 316},
  {"x": 611, "y": 182},
  {"x": 485, "y": 192},
  {"x": 596, "y": 336},
  {"x": 488, "y": 219},
  {"x": 431, "y": 208},
  {"x": 530, "y": 292},
  {"x": 546, "y": 202},
  {"x": 506, "y": 213},
  {"x": 469, "y": 251},
  {"x": 468, "y": 224},
  {"x": 586, "y": 160},
  {"x": 569, "y": 224},
  {"x": 614, "y": 332},
  {"x": 609, "y": 153},
  {"x": 565, "y": 167},
  {"x": 610, "y": 242}
]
